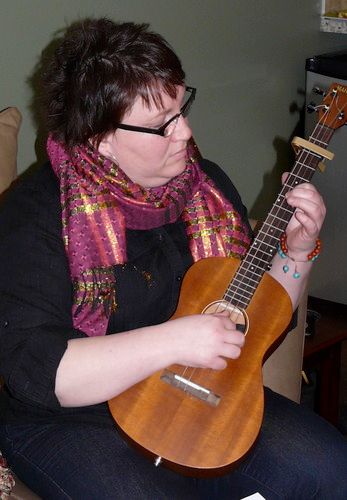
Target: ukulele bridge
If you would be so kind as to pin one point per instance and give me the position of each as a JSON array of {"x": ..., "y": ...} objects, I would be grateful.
[{"x": 186, "y": 385}]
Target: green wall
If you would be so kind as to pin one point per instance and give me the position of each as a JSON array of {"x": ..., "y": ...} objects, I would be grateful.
[{"x": 246, "y": 58}]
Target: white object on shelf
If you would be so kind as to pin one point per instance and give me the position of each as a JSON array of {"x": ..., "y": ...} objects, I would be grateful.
[{"x": 333, "y": 24}]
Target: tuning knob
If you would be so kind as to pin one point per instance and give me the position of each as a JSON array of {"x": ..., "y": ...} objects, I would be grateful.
[
  {"x": 311, "y": 108},
  {"x": 317, "y": 90}
]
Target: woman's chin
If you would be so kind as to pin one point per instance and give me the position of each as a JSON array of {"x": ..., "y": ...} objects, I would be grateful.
[{"x": 169, "y": 173}]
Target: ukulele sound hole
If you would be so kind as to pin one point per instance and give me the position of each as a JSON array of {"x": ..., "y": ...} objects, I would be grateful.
[{"x": 237, "y": 315}]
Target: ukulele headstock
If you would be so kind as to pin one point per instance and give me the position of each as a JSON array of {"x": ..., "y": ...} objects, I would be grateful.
[{"x": 333, "y": 112}]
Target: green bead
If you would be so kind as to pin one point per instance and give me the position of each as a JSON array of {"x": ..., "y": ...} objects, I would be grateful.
[
  {"x": 286, "y": 268},
  {"x": 296, "y": 275}
]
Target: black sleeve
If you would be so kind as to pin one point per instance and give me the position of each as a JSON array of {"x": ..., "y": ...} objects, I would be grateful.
[{"x": 35, "y": 291}]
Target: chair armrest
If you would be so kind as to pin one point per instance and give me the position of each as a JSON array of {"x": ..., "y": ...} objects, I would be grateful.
[
  {"x": 10, "y": 120},
  {"x": 282, "y": 370}
]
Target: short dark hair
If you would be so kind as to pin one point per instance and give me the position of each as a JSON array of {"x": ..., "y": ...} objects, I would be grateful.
[{"x": 96, "y": 73}]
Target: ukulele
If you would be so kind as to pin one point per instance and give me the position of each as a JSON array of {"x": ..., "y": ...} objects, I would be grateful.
[{"x": 200, "y": 421}]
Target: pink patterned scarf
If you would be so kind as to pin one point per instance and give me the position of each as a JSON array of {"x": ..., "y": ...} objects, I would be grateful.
[{"x": 99, "y": 202}]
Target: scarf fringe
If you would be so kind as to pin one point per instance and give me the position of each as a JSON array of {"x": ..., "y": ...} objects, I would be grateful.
[{"x": 94, "y": 288}]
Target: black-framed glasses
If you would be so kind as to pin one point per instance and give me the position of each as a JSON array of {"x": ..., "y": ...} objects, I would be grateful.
[{"x": 167, "y": 128}]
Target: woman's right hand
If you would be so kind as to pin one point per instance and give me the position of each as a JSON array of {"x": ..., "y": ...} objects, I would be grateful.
[
  {"x": 95, "y": 369},
  {"x": 204, "y": 340}
]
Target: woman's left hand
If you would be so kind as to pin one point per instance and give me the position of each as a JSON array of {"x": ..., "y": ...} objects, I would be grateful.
[{"x": 305, "y": 225}]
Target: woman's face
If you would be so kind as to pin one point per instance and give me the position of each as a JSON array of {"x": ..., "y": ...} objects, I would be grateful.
[{"x": 148, "y": 159}]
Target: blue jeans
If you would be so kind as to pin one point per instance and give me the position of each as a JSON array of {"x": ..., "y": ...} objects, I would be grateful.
[{"x": 297, "y": 456}]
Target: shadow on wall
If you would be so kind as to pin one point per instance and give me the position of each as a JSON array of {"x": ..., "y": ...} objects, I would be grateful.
[
  {"x": 284, "y": 163},
  {"x": 36, "y": 107}
]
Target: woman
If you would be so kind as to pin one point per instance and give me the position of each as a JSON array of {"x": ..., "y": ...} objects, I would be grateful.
[{"x": 93, "y": 249}]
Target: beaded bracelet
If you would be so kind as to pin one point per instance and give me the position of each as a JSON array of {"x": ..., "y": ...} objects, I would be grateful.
[{"x": 283, "y": 252}]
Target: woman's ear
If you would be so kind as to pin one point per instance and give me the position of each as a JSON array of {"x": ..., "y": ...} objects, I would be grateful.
[{"x": 104, "y": 145}]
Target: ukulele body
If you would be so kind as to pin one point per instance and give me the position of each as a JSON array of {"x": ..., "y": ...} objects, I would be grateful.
[{"x": 204, "y": 435}]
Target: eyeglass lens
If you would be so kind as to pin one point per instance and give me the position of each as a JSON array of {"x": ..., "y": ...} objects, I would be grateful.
[{"x": 185, "y": 109}]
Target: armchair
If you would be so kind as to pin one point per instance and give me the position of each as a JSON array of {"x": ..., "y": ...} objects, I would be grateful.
[{"x": 282, "y": 370}]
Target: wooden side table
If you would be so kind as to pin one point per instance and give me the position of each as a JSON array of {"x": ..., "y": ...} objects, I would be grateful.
[{"x": 322, "y": 353}]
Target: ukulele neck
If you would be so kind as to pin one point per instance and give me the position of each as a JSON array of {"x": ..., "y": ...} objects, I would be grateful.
[{"x": 247, "y": 278}]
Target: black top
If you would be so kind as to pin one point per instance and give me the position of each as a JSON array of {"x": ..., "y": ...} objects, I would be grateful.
[{"x": 36, "y": 289}]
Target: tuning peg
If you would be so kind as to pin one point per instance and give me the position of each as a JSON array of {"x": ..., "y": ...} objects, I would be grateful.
[
  {"x": 317, "y": 90},
  {"x": 311, "y": 108}
]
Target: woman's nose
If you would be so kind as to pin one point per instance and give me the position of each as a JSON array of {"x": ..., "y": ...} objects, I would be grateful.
[{"x": 182, "y": 131}]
